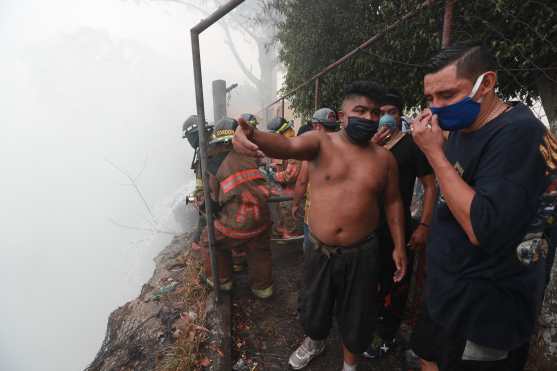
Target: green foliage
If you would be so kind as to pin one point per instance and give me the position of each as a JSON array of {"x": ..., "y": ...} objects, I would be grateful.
[{"x": 313, "y": 34}]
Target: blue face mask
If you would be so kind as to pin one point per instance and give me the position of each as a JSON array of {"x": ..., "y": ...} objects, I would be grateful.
[
  {"x": 387, "y": 121},
  {"x": 360, "y": 130},
  {"x": 461, "y": 114}
]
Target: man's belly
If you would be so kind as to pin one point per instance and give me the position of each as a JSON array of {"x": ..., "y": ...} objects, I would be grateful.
[{"x": 341, "y": 220}]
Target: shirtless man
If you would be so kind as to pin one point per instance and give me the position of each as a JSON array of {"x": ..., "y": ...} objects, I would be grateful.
[{"x": 347, "y": 174}]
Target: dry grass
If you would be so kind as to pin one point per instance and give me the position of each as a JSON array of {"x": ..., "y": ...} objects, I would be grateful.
[{"x": 190, "y": 329}]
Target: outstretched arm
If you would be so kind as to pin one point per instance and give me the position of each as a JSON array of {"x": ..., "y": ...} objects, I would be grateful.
[
  {"x": 253, "y": 142},
  {"x": 395, "y": 218}
]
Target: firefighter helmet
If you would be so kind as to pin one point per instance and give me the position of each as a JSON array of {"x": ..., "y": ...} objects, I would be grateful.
[
  {"x": 224, "y": 130},
  {"x": 250, "y": 119},
  {"x": 279, "y": 125},
  {"x": 190, "y": 130}
]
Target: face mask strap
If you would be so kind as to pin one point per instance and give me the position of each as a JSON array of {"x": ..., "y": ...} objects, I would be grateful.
[{"x": 477, "y": 85}]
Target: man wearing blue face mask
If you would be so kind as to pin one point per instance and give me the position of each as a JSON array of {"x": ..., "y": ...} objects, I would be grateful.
[
  {"x": 347, "y": 173},
  {"x": 482, "y": 298},
  {"x": 412, "y": 165}
]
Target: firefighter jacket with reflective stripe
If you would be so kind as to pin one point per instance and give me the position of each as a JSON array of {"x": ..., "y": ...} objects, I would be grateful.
[
  {"x": 243, "y": 193},
  {"x": 287, "y": 177}
]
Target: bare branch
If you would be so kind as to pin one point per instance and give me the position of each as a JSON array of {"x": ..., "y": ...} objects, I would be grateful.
[
  {"x": 229, "y": 41},
  {"x": 144, "y": 229},
  {"x": 133, "y": 183},
  {"x": 236, "y": 55},
  {"x": 142, "y": 169}
]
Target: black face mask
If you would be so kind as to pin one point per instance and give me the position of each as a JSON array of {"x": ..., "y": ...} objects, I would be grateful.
[{"x": 360, "y": 130}]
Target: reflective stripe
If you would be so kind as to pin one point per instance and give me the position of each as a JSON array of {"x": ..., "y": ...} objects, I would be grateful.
[
  {"x": 240, "y": 235},
  {"x": 265, "y": 190},
  {"x": 238, "y": 178}
]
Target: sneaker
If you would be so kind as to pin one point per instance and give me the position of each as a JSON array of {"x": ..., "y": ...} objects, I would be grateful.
[
  {"x": 379, "y": 348},
  {"x": 412, "y": 360},
  {"x": 306, "y": 352},
  {"x": 263, "y": 293},
  {"x": 346, "y": 367}
]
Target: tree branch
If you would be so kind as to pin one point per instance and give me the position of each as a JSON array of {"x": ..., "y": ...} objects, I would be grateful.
[
  {"x": 236, "y": 55},
  {"x": 229, "y": 40},
  {"x": 154, "y": 230},
  {"x": 133, "y": 183}
]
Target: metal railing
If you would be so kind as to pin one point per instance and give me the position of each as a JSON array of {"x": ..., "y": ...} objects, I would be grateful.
[
  {"x": 196, "y": 56},
  {"x": 317, "y": 77}
]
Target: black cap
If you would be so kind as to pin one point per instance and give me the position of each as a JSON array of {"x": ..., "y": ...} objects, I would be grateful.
[{"x": 392, "y": 97}]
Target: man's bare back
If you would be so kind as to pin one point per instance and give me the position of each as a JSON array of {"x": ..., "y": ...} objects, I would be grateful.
[{"x": 346, "y": 181}]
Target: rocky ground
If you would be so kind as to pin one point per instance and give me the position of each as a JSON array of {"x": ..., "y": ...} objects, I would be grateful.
[
  {"x": 157, "y": 330},
  {"x": 266, "y": 332},
  {"x": 141, "y": 333}
]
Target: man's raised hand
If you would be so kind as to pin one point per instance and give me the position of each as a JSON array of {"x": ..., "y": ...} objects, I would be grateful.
[
  {"x": 242, "y": 139},
  {"x": 382, "y": 136},
  {"x": 427, "y": 134}
]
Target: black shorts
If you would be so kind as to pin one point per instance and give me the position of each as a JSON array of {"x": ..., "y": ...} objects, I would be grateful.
[
  {"x": 341, "y": 286},
  {"x": 433, "y": 343}
]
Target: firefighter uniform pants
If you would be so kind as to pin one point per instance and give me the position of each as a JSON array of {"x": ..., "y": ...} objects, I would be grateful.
[{"x": 258, "y": 254}]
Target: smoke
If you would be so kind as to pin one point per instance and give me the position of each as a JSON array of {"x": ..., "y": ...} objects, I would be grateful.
[{"x": 84, "y": 84}]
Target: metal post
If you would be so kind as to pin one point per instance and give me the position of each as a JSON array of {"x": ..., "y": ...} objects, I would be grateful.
[
  {"x": 282, "y": 108},
  {"x": 448, "y": 23},
  {"x": 203, "y": 158},
  {"x": 196, "y": 56},
  {"x": 317, "y": 93},
  {"x": 214, "y": 17},
  {"x": 219, "y": 99}
]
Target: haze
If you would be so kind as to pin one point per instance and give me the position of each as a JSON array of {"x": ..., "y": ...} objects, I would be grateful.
[{"x": 84, "y": 84}]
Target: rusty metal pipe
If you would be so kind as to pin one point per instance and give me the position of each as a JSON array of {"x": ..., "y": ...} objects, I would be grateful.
[
  {"x": 196, "y": 56},
  {"x": 448, "y": 23},
  {"x": 317, "y": 98},
  {"x": 363, "y": 46},
  {"x": 215, "y": 16}
]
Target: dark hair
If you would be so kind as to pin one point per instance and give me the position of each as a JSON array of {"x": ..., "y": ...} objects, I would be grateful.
[
  {"x": 369, "y": 89},
  {"x": 471, "y": 59},
  {"x": 393, "y": 97}
]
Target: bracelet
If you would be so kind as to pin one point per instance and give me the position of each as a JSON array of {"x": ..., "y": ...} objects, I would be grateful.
[{"x": 425, "y": 225}]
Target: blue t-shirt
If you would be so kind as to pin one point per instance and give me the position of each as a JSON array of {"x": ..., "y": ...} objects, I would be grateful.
[{"x": 484, "y": 293}]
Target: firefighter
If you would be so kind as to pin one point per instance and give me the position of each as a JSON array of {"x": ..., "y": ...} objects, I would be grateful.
[
  {"x": 190, "y": 132},
  {"x": 285, "y": 174},
  {"x": 242, "y": 221},
  {"x": 239, "y": 261}
]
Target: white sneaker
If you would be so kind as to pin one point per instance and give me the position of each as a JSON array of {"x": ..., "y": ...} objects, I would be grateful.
[
  {"x": 306, "y": 352},
  {"x": 347, "y": 367}
]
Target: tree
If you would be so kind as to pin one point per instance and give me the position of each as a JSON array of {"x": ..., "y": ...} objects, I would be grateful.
[
  {"x": 526, "y": 50},
  {"x": 252, "y": 19}
]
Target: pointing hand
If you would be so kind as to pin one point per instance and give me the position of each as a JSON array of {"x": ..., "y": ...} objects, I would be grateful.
[{"x": 243, "y": 139}]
